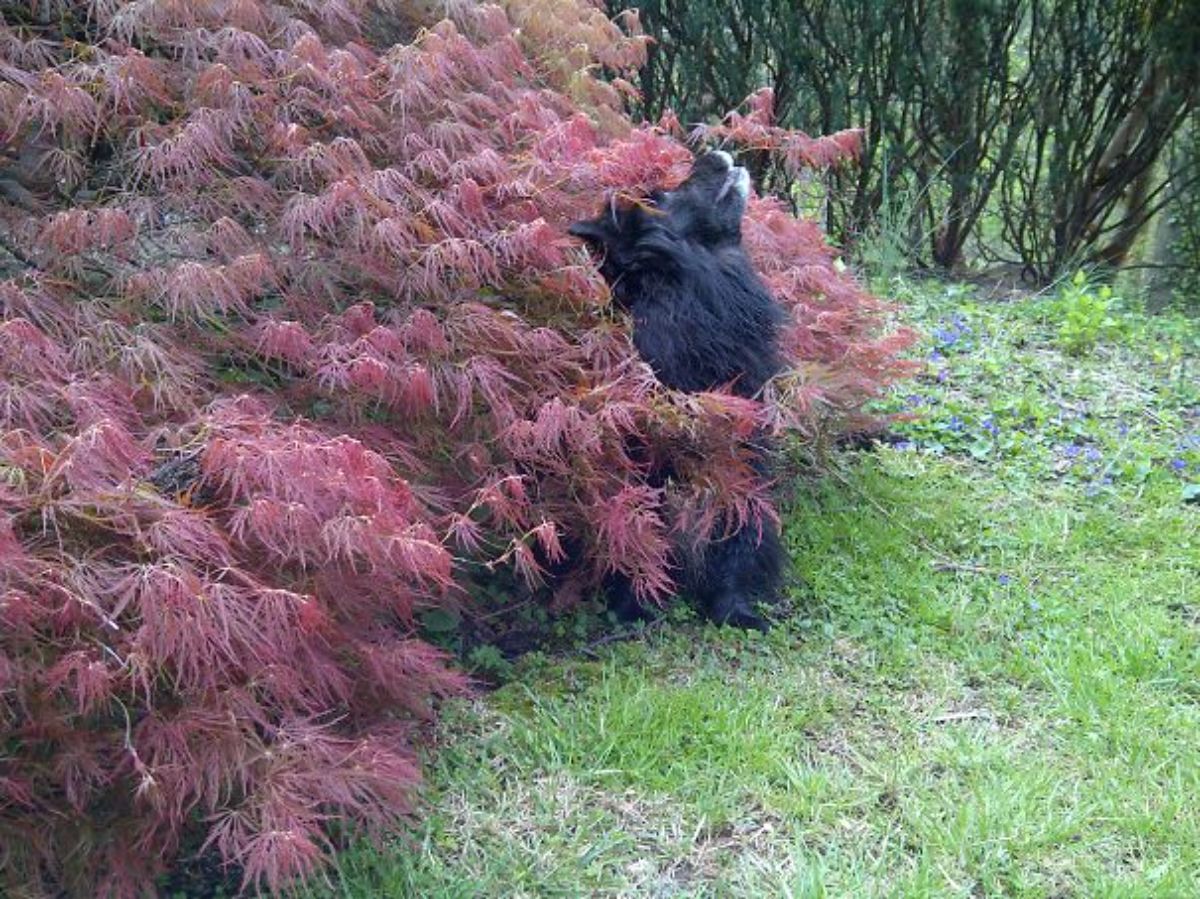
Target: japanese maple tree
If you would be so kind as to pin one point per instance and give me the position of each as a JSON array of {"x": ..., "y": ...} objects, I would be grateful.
[{"x": 291, "y": 337}]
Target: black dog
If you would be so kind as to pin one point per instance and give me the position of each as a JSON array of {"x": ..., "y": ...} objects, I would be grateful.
[{"x": 702, "y": 319}]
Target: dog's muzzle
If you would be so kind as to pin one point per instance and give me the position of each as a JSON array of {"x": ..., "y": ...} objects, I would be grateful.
[{"x": 737, "y": 180}]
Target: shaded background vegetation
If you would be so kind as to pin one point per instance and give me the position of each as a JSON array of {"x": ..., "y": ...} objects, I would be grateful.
[{"x": 1035, "y": 135}]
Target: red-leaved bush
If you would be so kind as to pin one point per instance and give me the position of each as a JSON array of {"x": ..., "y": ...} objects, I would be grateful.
[{"x": 291, "y": 336}]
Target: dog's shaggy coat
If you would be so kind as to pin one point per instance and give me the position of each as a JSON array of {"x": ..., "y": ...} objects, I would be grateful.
[{"x": 702, "y": 319}]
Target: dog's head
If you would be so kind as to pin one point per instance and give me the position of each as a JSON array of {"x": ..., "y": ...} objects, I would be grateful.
[
  {"x": 701, "y": 316},
  {"x": 703, "y": 213},
  {"x": 707, "y": 208}
]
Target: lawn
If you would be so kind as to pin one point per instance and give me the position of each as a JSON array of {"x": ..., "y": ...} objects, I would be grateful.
[{"x": 988, "y": 683}]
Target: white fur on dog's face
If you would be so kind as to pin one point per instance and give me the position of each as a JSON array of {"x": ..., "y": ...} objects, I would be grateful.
[
  {"x": 737, "y": 179},
  {"x": 742, "y": 184}
]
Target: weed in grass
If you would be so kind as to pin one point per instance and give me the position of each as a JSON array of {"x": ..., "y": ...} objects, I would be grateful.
[{"x": 1087, "y": 314}]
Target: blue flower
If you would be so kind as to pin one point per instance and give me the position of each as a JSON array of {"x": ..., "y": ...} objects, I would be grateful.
[
  {"x": 955, "y": 423},
  {"x": 1004, "y": 580},
  {"x": 1092, "y": 454},
  {"x": 949, "y": 333},
  {"x": 942, "y": 375},
  {"x": 1071, "y": 451},
  {"x": 990, "y": 426},
  {"x": 1179, "y": 464}
]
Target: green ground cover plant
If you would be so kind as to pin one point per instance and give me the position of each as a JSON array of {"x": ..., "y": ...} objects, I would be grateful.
[{"x": 989, "y": 684}]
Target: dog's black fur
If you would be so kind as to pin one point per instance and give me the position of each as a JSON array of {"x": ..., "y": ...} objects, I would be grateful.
[{"x": 702, "y": 319}]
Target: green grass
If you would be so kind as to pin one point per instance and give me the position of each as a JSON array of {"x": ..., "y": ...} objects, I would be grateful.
[{"x": 989, "y": 685}]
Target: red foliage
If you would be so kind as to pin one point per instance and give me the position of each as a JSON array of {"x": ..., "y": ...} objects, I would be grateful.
[{"x": 287, "y": 322}]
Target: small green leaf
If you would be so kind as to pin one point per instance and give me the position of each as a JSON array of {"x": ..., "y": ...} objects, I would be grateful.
[{"x": 440, "y": 621}]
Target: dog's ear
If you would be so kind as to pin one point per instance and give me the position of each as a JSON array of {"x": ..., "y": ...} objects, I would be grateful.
[
  {"x": 619, "y": 223},
  {"x": 597, "y": 233}
]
